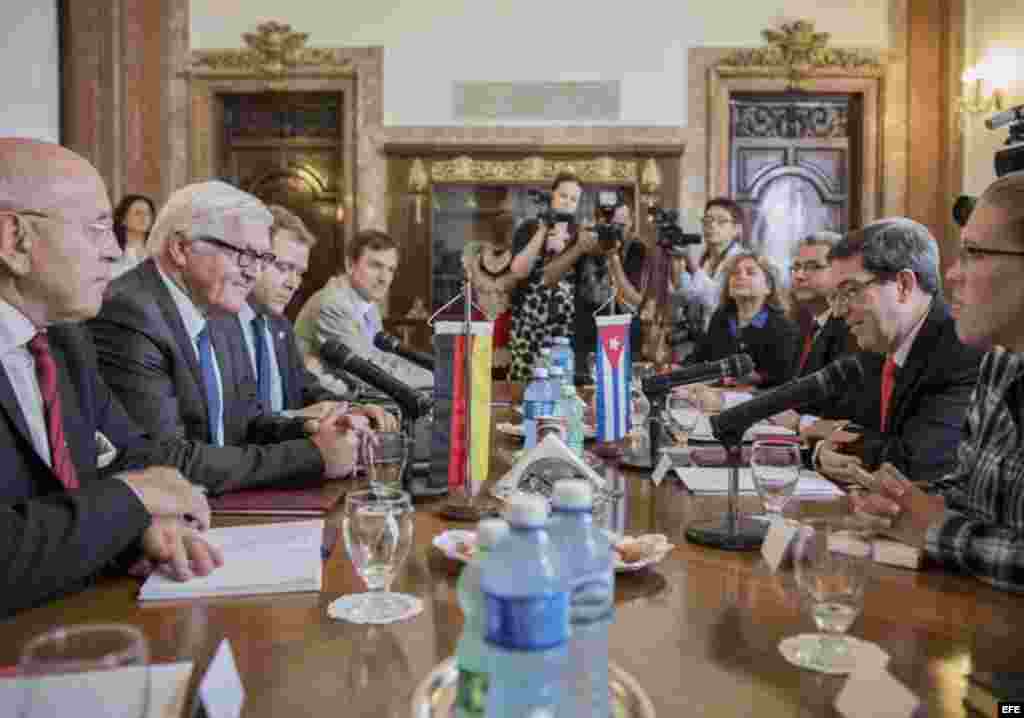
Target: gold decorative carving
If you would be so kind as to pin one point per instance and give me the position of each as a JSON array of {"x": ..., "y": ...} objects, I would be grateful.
[
  {"x": 273, "y": 50},
  {"x": 418, "y": 179},
  {"x": 801, "y": 51},
  {"x": 650, "y": 181},
  {"x": 532, "y": 169}
]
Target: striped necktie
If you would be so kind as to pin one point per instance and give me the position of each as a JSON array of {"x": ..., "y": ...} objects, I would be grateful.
[{"x": 46, "y": 373}]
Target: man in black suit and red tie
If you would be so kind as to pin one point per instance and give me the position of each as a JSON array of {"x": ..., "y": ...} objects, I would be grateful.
[{"x": 68, "y": 511}]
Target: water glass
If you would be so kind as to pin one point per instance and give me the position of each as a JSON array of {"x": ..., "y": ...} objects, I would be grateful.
[
  {"x": 775, "y": 465},
  {"x": 378, "y": 531},
  {"x": 831, "y": 583},
  {"x": 387, "y": 461},
  {"x": 682, "y": 414},
  {"x": 51, "y": 664}
]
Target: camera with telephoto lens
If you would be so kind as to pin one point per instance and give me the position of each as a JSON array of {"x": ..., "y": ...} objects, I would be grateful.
[
  {"x": 547, "y": 214},
  {"x": 1011, "y": 157},
  {"x": 609, "y": 233},
  {"x": 670, "y": 235}
]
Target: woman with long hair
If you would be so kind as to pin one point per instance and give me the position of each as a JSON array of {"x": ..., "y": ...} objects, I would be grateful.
[{"x": 133, "y": 219}]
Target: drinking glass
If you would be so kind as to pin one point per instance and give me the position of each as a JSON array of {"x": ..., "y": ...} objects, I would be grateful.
[
  {"x": 775, "y": 465},
  {"x": 386, "y": 462},
  {"x": 50, "y": 664},
  {"x": 831, "y": 583},
  {"x": 378, "y": 528},
  {"x": 682, "y": 414}
]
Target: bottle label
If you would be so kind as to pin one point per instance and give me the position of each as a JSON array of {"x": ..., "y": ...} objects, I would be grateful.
[
  {"x": 471, "y": 693},
  {"x": 593, "y": 598},
  {"x": 530, "y": 623},
  {"x": 533, "y": 408}
]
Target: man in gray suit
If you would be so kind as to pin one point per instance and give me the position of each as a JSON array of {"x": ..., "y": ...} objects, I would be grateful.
[
  {"x": 347, "y": 308},
  {"x": 177, "y": 373}
]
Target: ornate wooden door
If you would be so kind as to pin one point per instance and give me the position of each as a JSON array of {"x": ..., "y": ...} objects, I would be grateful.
[
  {"x": 793, "y": 167},
  {"x": 287, "y": 148}
]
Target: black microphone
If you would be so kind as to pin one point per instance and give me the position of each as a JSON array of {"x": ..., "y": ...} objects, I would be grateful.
[
  {"x": 1000, "y": 119},
  {"x": 737, "y": 365},
  {"x": 413, "y": 403},
  {"x": 834, "y": 379},
  {"x": 392, "y": 345}
]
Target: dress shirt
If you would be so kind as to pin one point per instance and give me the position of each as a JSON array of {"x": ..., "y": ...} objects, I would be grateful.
[
  {"x": 194, "y": 322},
  {"x": 15, "y": 333},
  {"x": 371, "y": 317},
  {"x": 245, "y": 317}
]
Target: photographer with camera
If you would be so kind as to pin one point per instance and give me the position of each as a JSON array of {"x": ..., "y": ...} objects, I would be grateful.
[{"x": 547, "y": 251}]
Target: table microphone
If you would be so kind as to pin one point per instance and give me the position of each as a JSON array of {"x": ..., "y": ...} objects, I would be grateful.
[
  {"x": 393, "y": 345},
  {"x": 823, "y": 385},
  {"x": 413, "y": 403},
  {"x": 735, "y": 366}
]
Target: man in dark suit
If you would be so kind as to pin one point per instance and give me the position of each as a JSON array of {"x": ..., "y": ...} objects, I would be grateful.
[
  {"x": 69, "y": 511},
  {"x": 888, "y": 291},
  {"x": 177, "y": 373}
]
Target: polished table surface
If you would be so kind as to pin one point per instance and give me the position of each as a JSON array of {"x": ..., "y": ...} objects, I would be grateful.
[{"x": 699, "y": 631}]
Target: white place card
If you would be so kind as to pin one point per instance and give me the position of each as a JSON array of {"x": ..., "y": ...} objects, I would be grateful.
[
  {"x": 777, "y": 548},
  {"x": 872, "y": 692},
  {"x": 221, "y": 689}
]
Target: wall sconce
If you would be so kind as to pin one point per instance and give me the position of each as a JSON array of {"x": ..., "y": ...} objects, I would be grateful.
[
  {"x": 650, "y": 182},
  {"x": 975, "y": 101},
  {"x": 986, "y": 84},
  {"x": 418, "y": 184}
]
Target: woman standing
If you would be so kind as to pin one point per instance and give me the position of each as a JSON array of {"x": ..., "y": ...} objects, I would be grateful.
[{"x": 133, "y": 219}]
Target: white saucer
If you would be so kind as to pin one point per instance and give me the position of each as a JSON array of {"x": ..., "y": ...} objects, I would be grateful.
[{"x": 860, "y": 653}]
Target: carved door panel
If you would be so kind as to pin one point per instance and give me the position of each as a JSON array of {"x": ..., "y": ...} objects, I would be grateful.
[
  {"x": 287, "y": 149},
  {"x": 792, "y": 167}
]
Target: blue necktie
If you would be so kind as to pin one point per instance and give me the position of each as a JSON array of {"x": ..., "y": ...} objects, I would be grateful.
[
  {"x": 213, "y": 398},
  {"x": 263, "y": 379}
]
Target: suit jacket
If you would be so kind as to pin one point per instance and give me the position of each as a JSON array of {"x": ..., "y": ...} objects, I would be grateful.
[
  {"x": 148, "y": 360},
  {"x": 773, "y": 347},
  {"x": 929, "y": 401},
  {"x": 299, "y": 386},
  {"x": 339, "y": 319}
]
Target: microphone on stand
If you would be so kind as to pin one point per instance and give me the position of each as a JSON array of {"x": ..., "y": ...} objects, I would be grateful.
[
  {"x": 412, "y": 403},
  {"x": 827, "y": 383},
  {"x": 393, "y": 345},
  {"x": 735, "y": 366}
]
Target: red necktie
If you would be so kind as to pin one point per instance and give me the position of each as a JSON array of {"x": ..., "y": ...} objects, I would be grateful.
[
  {"x": 888, "y": 381},
  {"x": 808, "y": 343},
  {"x": 46, "y": 373}
]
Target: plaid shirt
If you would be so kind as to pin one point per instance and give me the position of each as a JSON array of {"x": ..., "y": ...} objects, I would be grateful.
[{"x": 982, "y": 533}]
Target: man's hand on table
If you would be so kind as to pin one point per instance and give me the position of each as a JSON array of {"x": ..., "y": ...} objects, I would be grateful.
[
  {"x": 179, "y": 551},
  {"x": 166, "y": 493},
  {"x": 895, "y": 498}
]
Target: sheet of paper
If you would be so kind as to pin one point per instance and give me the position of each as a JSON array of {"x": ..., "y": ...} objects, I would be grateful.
[
  {"x": 702, "y": 430},
  {"x": 261, "y": 558},
  {"x": 872, "y": 692},
  {"x": 221, "y": 689},
  {"x": 78, "y": 694},
  {"x": 778, "y": 543},
  {"x": 704, "y": 480}
]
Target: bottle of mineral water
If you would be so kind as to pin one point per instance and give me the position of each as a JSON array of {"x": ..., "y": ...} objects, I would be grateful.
[
  {"x": 570, "y": 408},
  {"x": 537, "y": 401},
  {"x": 527, "y": 601},
  {"x": 562, "y": 355},
  {"x": 470, "y": 651},
  {"x": 587, "y": 558}
]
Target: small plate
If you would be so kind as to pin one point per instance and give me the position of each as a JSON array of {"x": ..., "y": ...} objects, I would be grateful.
[
  {"x": 455, "y": 542},
  {"x": 795, "y": 648},
  {"x": 517, "y": 430}
]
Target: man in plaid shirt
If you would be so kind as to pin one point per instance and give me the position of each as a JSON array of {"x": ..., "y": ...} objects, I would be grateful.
[{"x": 973, "y": 519}]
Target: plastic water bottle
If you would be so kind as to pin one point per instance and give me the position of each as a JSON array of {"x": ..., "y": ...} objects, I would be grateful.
[
  {"x": 570, "y": 408},
  {"x": 562, "y": 355},
  {"x": 527, "y": 601},
  {"x": 544, "y": 359},
  {"x": 470, "y": 651},
  {"x": 586, "y": 556},
  {"x": 537, "y": 401}
]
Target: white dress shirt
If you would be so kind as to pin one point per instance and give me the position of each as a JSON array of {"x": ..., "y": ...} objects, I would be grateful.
[{"x": 16, "y": 331}]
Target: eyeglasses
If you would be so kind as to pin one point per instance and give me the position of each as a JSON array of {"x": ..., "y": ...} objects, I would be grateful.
[
  {"x": 245, "y": 257},
  {"x": 708, "y": 221},
  {"x": 97, "y": 231},
  {"x": 852, "y": 291},
  {"x": 969, "y": 253},
  {"x": 808, "y": 267},
  {"x": 287, "y": 268}
]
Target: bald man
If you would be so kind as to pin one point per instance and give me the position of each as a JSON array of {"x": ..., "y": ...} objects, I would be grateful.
[{"x": 63, "y": 518}]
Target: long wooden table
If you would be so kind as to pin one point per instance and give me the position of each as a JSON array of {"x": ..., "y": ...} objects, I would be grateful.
[{"x": 699, "y": 631}]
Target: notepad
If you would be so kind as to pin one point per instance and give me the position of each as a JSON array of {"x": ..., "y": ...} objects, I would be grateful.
[
  {"x": 712, "y": 481},
  {"x": 264, "y": 558}
]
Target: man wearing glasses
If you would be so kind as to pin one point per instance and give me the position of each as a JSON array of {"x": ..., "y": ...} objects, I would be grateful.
[
  {"x": 888, "y": 291},
  {"x": 176, "y": 370},
  {"x": 975, "y": 521}
]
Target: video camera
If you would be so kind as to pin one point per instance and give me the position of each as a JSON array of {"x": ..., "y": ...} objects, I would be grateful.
[
  {"x": 609, "y": 234},
  {"x": 1010, "y": 158},
  {"x": 670, "y": 235},
  {"x": 547, "y": 215}
]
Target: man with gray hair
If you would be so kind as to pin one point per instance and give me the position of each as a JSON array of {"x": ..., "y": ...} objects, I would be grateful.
[
  {"x": 178, "y": 373},
  {"x": 889, "y": 292},
  {"x": 975, "y": 522}
]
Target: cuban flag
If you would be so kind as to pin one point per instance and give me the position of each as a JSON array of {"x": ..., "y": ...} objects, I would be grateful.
[{"x": 614, "y": 367}]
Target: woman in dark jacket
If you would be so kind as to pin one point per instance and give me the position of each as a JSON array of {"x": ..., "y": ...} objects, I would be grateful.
[{"x": 751, "y": 319}]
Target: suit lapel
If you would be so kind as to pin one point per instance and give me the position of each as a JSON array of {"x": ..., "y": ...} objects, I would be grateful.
[
  {"x": 79, "y": 437},
  {"x": 279, "y": 338},
  {"x": 10, "y": 405},
  {"x": 921, "y": 353}
]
